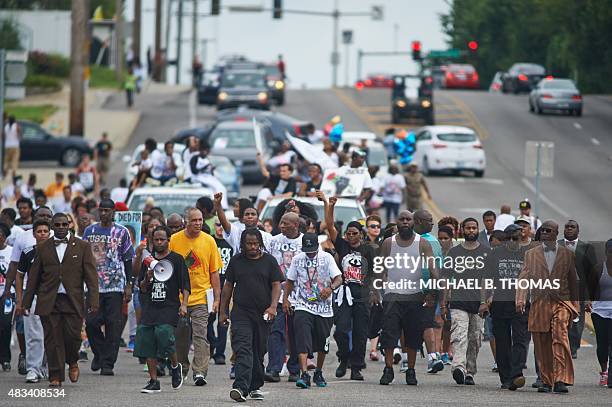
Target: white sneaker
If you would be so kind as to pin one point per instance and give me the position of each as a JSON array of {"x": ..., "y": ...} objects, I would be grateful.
[
  {"x": 32, "y": 377},
  {"x": 404, "y": 366}
]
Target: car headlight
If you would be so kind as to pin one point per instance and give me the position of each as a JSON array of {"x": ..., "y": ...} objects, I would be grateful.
[
  {"x": 222, "y": 96},
  {"x": 426, "y": 104},
  {"x": 279, "y": 85},
  {"x": 400, "y": 103},
  {"x": 271, "y": 83},
  {"x": 262, "y": 96}
]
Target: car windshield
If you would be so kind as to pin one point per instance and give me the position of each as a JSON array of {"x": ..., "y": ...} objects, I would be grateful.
[
  {"x": 564, "y": 84},
  {"x": 459, "y": 68},
  {"x": 529, "y": 69},
  {"x": 272, "y": 70},
  {"x": 169, "y": 203},
  {"x": 232, "y": 138},
  {"x": 344, "y": 214},
  {"x": 247, "y": 79},
  {"x": 457, "y": 137}
]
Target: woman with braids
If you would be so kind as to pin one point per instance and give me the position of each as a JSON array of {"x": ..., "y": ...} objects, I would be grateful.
[{"x": 253, "y": 278}]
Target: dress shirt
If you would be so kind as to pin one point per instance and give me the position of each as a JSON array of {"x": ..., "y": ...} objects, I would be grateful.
[
  {"x": 60, "y": 249},
  {"x": 550, "y": 255}
]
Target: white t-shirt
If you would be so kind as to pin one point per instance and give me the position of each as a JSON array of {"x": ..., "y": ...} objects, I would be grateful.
[
  {"x": 393, "y": 185},
  {"x": 187, "y": 155},
  {"x": 161, "y": 164},
  {"x": 60, "y": 205},
  {"x": 502, "y": 221},
  {"x": 11, "y": 136},
  {"x": 233, "y": 237},
  {"x": 284, "y": 158},
  {"x": 119, "y": 194},
  {"x": 310, "y": 276},
  {"x": 23, "y": 242},
  {"x": 15, "y": 232},
  {"x": 5, "y": 259},
  {"x": 77, "y": 188}
]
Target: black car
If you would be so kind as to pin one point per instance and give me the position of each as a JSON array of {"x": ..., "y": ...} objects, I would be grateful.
[
  {"x": 38, "y": 145},
  {"x": 522, "y": 77},
  {"x": 208, "y": 89},
  {"x": 279, "y": 123},
  {"x": 202, "y": 133},
  {"x": 412, "y": 97},
  {"x": 243, "y": 88},
  {"x": 276, "y": 83}
]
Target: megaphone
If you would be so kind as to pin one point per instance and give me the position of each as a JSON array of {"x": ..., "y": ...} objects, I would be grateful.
[{"x": 162, "y": 269}]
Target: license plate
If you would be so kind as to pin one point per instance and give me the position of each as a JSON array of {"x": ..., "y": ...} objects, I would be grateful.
[{"x": 562, "y": 105}]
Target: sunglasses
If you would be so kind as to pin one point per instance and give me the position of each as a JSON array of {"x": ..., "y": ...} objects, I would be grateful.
[
  {"x": 547, "y": 230},
  {"x": 374, "y": 226}
]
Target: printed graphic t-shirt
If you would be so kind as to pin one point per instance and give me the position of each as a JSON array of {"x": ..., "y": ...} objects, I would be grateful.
[
  {"x": 111, "y": 247},
  {"x": 356, "y": 265},
  {"x": 201, "y": 258},
  {"x": 225, "y": 251},
  {"x": 284, "y": 250}
]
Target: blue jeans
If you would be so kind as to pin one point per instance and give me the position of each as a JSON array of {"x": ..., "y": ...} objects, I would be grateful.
[{"x": 277, "y": 342}]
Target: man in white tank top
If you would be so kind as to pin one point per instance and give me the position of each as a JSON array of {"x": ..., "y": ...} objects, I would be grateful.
[{"x": 12, "y": 134}]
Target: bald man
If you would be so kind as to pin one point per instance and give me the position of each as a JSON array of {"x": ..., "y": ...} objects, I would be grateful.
[
  {"x": 504, "y": 218},
  {"x": 551, "y": 310},
  {"x": 175, "y": 223}
]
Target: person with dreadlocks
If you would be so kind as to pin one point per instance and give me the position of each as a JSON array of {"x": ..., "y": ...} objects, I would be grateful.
[{"x": 253, "y": 278}]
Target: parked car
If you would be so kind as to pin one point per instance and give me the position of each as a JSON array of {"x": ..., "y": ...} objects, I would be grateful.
[
  {"x": 243, "y": 87},
  {"x": 522, "y": 77},
  {"x": 449, "y": 149},
  {"x": 174, "y": 199},
  {"x": 39, "y": 145},
  {"x": 181, "y": 136},
  {"x": 461, "y": 76},
  {"x": 557, "y": 94},
  {"x": 378, "y": 80}
]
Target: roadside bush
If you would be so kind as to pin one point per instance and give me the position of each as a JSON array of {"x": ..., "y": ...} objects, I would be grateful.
[
  {"x": 41, "y": 63},
  {"x": 43, "y": 81}
]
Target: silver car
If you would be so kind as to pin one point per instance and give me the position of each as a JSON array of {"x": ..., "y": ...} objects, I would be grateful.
[{"x": 556, "y": 94}]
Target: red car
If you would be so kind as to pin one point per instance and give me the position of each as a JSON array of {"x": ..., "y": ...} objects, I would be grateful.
[
  {"x": 461, "y": 77},
  {"x": 378, "y": 81}
]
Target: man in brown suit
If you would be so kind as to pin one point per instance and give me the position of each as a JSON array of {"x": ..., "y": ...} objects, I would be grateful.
[
  {"x": 552, "y": 307},
  {"x": 60, "y": 268}
]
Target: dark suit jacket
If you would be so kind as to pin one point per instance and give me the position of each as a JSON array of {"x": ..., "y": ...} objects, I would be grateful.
[
  {"x": 483, "y": 238},
  {"x": 586, "y": 259},
  {"x": 542, "y": 300},
  {"x": 77, "y": 267}
]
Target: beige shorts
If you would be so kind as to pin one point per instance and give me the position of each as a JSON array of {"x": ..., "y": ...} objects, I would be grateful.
[{"x": 11, "y": 158}]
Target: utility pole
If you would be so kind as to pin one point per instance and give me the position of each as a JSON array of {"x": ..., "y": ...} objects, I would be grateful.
[
  {"x": 157, "y": 55},
  {"x": 167, "y": 40},
  {"x": 2, "y": 63},
  {"x": 335, "y": 55},
  {"x": 118, "y": 39},
  {"x": 179, "y": 35},
  {"x": 194, "y": 31},
  {"x": 78, "y": 61},
  {"x": 136, "y": 29}
]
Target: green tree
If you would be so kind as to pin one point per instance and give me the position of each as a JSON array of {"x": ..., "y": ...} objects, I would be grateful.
[{"x": 9, "y": 35}]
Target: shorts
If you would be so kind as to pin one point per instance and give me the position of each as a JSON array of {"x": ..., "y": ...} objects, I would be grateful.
[
  {"x": 19, "y": 324},
  {"x": 311, "y": 332},
  {"x": 154, "y": 341},
  {"x": 402, "y": 313},
  {"x": 376, "y": 318},
  {"x": 429, "y": 318}
]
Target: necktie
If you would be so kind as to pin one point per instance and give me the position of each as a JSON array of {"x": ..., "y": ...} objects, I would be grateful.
[{"x": 60, "y": 241}]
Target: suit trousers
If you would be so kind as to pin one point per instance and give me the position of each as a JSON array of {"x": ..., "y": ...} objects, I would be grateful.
[
  {"x": 466, "y": 337},
  {"x": 552, "y": 349},
  {"x": 249, "y": 339},
  {"x": 512, "y": 343},
  {"x": 195, "y": 332},
  {"x": 62, "y": 329},
  {"x": 575, "y": 331},
  {"x": 35, "y": 347},
  {"x": 105, "y": 346}
]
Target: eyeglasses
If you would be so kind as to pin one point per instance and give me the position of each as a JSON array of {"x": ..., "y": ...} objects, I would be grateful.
[
  {"x": 374, "y": 226},
  {"x": 546, "y": 230}
]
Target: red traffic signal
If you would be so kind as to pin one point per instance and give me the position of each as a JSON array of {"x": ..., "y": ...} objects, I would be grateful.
[
  {"x": 416, "y": 46},
  {"x": 473, "y": 45}
]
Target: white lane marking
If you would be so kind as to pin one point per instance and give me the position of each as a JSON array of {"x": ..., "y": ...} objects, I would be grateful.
[
  {"x": 493, "y": 181},
  {"x": 192, "y": 109},
  {"x": 595, "y": 141},
  {"x": 545, "y": 199},
  {"x": 578, "y": 125}
]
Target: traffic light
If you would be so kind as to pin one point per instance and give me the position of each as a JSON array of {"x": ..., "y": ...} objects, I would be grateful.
[
  {"x": 416, "y": 50},
  {"x": 215, "y": 7},
  {"x": 277, "y": 9},
  {"x": 473, "y": 46}
]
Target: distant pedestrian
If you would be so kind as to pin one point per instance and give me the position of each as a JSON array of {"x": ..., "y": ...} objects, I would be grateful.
[
  {"x": 12, "y": 138},
  {"x": 488, "y": 220},
  {"x": 130, "y": 86},
  {"x": 504, "y": 218},
  {"x": 392, "y": 186},
  {"x": 415, "y": 185},
  {"x": 88, "y": 176},
  {"x": 102, "y": 154},
  {"x": 534, "y": 222},
  {"x": 281, "y": 66}
]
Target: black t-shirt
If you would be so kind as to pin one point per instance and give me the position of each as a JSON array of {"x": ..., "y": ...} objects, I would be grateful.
[
  {"x": 356, "y": 266},
  {"x": 104, "y": 148},
  {"x": 465, "y": 267},
  {"x": 226, "y": 251},
  {"x": 312, "y": 187},
  {"x": 504, "y": 264},
  {"x": 160, "y": 304},
  {"x": 252, "y": 279},
  {"x": 280, "y": 186}
]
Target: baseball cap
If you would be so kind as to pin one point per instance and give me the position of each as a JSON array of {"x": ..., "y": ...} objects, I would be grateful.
[
  {"x": 524, "y": 204},
  {"x": 512, "y": 228},
  {"x": 523, "y": 218},
  {"x": 310, "y": 243},
  {"x": 121, "y": 207},
  {"x": 359, "y": 153},
  {"x": 107, "y": 204}
]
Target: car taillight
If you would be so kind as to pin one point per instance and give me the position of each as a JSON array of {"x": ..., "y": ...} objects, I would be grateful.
[
  {"x": 522, "y": 77},
  {"x": 297, "y": 129},
  {"x": 359, "y": 85},
  {"x": 449, "y": 75},
  {"x": 576, "y": 97},
  {"x": 428, "y": 80},
  {"x": 546, "y": 96},
  {"x": 240, "y": 119},
  {"x": 439, "y": 145},
  {"x": 368, "y": 82},
  {"x": 477, "y": 146},
  {"x": 475, "y": 76}
]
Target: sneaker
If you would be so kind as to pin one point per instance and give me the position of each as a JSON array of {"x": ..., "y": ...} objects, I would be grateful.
[
  {"x": 199, "y": 380},
  {"x": 387, "y": 377},
  {"x": 237, "y": 396},
  {"x": 404, "y": 366},
  {"x": 318, "y": 379},
  {"x": 21, "y": 365},
  {"x": 603, "y": 378},
  {"x": 83, "y": 356},
  {"x": 6, "y": 367},
  {"x": 151, "y": 387},
  {"x": 517, "y": 383},
  {"x": 304, "y": 381},
  {"x": 434, "y": 366},
  {"x": 293, "y": 378},
  {"x": 130, "y": 346},
  {"x": 494, "y": 369},
  {"x": 219, "y": 359},
  {"x": 446, "y": 359},
  {"x": 374, "y": 356},
  {"x": 469, "y": 381},
  {"x": 459, "y": 376},
  {"x": 411, "y": 377},
  {"x": 272, "y": 377},
  {"x": 177, "y": 376},
  {"x": 232, "y": 373},
  {"x": 397, "y": 356},
  {"x": 356, "y": 375},
  {"x": 341, "y": 370},
  {"x": 256, "y": 395},
  {"x": 32, "y": 377},
  {"x": 145, "y": 368}
]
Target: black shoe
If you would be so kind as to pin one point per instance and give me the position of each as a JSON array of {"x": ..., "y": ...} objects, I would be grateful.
[
  {"x": 237, "y": 396},
  {"x": 161, "y": 371},
  {"x": 574, "y": 354},
  {"x": 95, "y": 364},
  {"x": 152, "y": 387},
  {"x": 256, "y": 394},
  {"x": 341, "y": 370},
  {"x": 517, "y": 383},
  {"x": 560, "y": 387},
  {"x": 21, "y": 365},
  {"x": 6, "y": 367},
  {"x": 219, "y": 359},
  {"x": 411, "y": 377},
  {"x": 272, "y": 377},
  {"x": 319, "y": 380},
  {"x": 199, "y": 380},
  {"x": 83, "y": 356},
  {"x": 356, "y": 375},
  {"x": 387, "y": 377},
  {"x": 304, "y": 381},
  {"x": 122, "y": 343},
  {"x": 459, "y": 376},
  {"x": 469, "y": 381},
  {"x": 505, "y": 386},
  {"x": 544, "y": 388},
  {"x": 177, "y": 376},
  {"x": 537, "y": 384},
  {"x": 107, "y": 372},
  {"x": 293, "y": 378}
]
